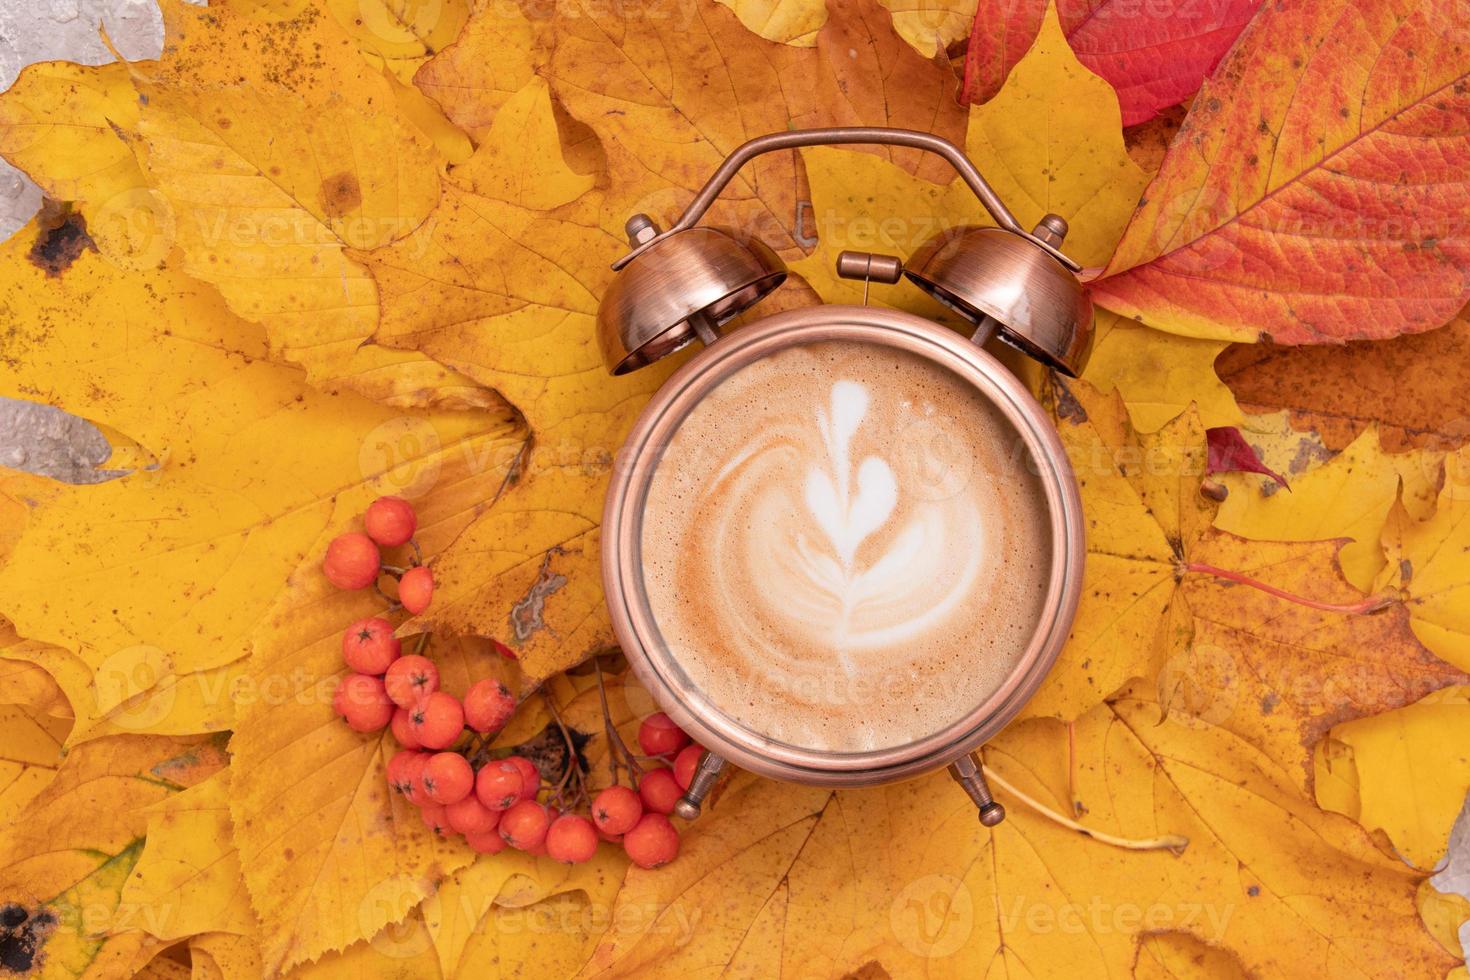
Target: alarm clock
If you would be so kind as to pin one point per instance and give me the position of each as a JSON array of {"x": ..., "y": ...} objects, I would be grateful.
[{"x": 731, "y": 572}]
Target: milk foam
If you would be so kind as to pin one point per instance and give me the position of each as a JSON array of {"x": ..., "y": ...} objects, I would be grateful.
[{"x": 840, "y": 549}]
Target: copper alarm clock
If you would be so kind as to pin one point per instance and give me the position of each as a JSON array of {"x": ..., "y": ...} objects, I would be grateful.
[{"x": 793, "y": 589}]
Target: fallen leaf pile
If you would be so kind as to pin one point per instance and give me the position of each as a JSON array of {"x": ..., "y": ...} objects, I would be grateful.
[{"x": 321, "y": 251}]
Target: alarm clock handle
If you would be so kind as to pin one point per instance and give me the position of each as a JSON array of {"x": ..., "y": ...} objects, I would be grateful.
[
  {"x": 839, "y": 135},
  {"x": 843, "y": 135}
]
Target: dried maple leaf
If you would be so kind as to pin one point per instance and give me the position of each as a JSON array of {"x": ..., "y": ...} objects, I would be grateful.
[
  {"x": 248, "y": 208},
  {"x": 694, "y": 75},
  {"x": 1401, "y": 385},
  {"x": 904, "y": 878},
  {"x": 1168, "y": 597},
  {"x": 1313, "y": 195},
  {"x": 399, "y": 34},
  {"x": 794, "y": 22},
  {"x": 930, "y": 26}
]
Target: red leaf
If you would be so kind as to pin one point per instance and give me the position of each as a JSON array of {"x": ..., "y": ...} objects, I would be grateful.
[
  {"x": 1154, "y": 52},
  {"x": 1003, "y": 32},
  {"x": 1230, "y": 453},
  {"x": 1315, "y": 193}
]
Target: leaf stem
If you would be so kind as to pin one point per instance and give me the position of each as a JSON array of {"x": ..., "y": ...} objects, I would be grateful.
[
  {"x": 1369, "y": 604},
  {"x": 1173, "y": 843}
]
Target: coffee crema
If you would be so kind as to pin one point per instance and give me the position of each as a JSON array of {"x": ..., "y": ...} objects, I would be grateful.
[{"x": 845, "y": 548}]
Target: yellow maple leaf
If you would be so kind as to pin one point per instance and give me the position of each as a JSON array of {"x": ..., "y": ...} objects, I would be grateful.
[
  {"x": 66, "y": 858},
  {"x": 201, "y": 540},
  {"x": 1405, "y": 772},
  {"x": 188, "y": 880},
  {"x": 59, "y": 123},
  {"x": 274, "y": 244},
  {"x": 1428, "y": 562},
  {"x": 904, "y": 879},
  {"x": 472, "y": 87},
  {"x": 1347, "y": 496},
  {"x": 1158, "y": 374},
  {"x": 929, "y": 25},
  {"x": 223, "y": 956},
  {"x": 1159, "y": 601},
  {"x": 330, "y": 855},
  {"x": 633, "y": 71},
  {"x": 34, "y": 721}
]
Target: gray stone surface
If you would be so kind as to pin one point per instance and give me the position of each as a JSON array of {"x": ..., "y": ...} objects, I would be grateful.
[
  {"x": 1454, "y": 874},
  {"x": 45, "y": 440},
  {"x": 65, "y": 30}
]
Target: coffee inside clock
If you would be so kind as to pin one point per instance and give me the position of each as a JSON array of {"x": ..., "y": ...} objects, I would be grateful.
[{"x": 845, "y": 546}]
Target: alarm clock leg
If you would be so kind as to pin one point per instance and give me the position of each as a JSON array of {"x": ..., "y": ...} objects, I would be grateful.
[
  {"x": 966, "y": 772},
  {"x": 709, "y": 769}
]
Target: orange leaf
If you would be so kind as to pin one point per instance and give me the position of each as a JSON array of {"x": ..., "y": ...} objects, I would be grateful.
[
  {"x": 1339, "y": 392},
  {"x": 1316, "y": 193}
]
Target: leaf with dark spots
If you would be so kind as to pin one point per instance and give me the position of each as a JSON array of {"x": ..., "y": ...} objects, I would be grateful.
[
  {"x": 62, "y": 239},
  {"x": 1067, "y": 406},
  {"x": 341, "y": 194},
  {"x": 23, "y": 935},
  {"x": 1405, "y": 387}
]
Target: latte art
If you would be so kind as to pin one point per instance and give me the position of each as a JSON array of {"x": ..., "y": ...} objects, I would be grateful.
[{"x": 840, "y": 548}]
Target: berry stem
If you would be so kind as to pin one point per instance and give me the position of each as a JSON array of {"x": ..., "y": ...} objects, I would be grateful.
[
  {"x": 421, "y": 642},
  {"x": 1369, "y": 604},
  {"x": 393, "y": 605},
  {"x": 618, "y": 753},
  {"x": 572, "y": 768},
  {"x": 1173, "y": 843}
]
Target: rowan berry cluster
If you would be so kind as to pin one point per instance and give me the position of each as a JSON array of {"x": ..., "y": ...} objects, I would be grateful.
[
  {"x": 353, "y": 560},
  {"x": 640, "y": 820},
  {"x": 458, "y": 784}
]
